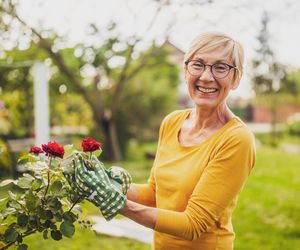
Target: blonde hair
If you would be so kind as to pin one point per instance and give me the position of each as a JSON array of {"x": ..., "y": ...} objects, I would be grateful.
[{"x": 210, "y": 41}]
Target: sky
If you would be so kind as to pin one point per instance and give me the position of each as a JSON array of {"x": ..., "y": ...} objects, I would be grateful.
[{"x": 239, "y": 18}]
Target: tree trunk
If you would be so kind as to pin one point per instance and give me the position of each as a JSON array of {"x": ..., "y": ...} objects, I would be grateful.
[
  {"x": 273, "y": 133},
  {"x": 111, "y": 139}
]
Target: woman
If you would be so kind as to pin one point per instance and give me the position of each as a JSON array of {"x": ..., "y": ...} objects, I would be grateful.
[{"x": 204, "y": 157}]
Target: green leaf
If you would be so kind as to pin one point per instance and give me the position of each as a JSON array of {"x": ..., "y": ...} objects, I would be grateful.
[
  {"x": 14, "y": 204},
  {"x": 67, "y": 229},
  {"x": 56, "y": 186},
  {"x": 98, "y": 152},
  {"x": 27, "y": 158},
  {"x": 11, "y": 235},
  {"x": 69, "y": 216},
  {"x": 45, "y": 234},
  {"x": 44, "y": 214},
  {"x": 12, "y": 195},
  {"x": 22, "y": 220},
  {"x": 4, "y": 199},
  {"x": 33, "y": 222},
  {"x": 6, "y": 182},
  {"x": 47, "y": 223},
  {"x": 54, "y": 204},
  {"x": 25, "y": 181},
  {"x": 22, "y": 247},
  {"x": 69, "y": 149},
  {"x": 31, "y": 200},
  {"x": 56, "y": 235},
  {"x": 57, "y": 217},
  {"x": 36, "y": 184}
]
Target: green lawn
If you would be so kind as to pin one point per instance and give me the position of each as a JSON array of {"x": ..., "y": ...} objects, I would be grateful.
[
  {"x": 267, "y": 216},
  {"x": 268, "y": 212}
]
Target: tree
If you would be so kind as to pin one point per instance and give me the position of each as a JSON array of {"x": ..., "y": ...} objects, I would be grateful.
[
  {"x": 114, "y": 63},
  {"x": 291, "y": 83},
  {"x": 267, "y": 73}
]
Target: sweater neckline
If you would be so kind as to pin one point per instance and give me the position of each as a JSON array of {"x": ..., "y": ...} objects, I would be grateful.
[{"x": 217, "y": 133}]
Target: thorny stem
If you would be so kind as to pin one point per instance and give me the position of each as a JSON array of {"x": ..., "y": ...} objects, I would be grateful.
[
  {"x": 77, "y": 200},
  {"x": 48, "y": 177}
]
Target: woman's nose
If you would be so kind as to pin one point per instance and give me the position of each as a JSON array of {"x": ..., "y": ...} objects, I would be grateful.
[{"x": 207, "y": 74}]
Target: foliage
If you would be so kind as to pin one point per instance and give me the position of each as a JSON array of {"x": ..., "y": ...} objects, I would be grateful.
[
  {"x": 293, "y": 126},
  {"x": 291, "y": 83},
  {"x": 5, "y": 160},
  {"x": 46, "y": 202},
  {"x": 268, "y": 74},
  {"x": 267, "y": 71},
  {"x": 100, "y": 73}
]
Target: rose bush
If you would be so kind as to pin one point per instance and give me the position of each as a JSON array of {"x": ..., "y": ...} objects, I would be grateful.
[{"x": 42, "y": 200}]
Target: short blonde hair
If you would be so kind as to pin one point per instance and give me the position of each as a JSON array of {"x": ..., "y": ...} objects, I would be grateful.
[{"x": 210, "y": 41}]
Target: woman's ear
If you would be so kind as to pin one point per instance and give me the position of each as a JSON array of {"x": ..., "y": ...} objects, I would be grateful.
[{"x": 236, "y": 82}]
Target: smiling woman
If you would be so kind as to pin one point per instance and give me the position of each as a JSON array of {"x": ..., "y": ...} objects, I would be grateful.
[
  {"x": 204, "y": 157},
  {"x": 212, "y": 69}
]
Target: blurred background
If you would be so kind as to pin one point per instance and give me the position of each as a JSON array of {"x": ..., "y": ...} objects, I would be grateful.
[{"x": 113, "y": 69}]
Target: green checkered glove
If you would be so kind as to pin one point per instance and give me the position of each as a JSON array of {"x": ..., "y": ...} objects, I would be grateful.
[
  {"x": 68, "y": 167},
  {"x": 97, "y": 187},
  {"x": 119, "y": 176}
]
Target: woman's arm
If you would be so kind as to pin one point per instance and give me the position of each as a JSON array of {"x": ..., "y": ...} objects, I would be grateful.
[
  {"x": 139, "y": 213},
  {"x": 143, "y": 193},
  {"x": 132, "y": 193}
]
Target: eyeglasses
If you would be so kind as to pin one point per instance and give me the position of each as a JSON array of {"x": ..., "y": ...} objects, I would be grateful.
[{"x": 218, "y": 70}]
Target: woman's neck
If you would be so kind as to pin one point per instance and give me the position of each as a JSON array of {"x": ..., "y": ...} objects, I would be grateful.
[{"x": 211, "y": 119}]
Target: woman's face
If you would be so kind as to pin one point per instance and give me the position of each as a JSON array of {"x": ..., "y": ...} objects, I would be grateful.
[{"x": 205, "y": 90}]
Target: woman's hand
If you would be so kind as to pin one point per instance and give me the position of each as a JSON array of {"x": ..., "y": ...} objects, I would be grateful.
[
  {"x": 121, "y": 176},
  {"x": 94, "y": 184}
]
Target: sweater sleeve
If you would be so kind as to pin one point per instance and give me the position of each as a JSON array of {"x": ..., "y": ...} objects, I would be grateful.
[{"x": 218, "y": 186}]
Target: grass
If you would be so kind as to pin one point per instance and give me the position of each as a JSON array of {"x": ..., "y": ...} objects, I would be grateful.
[{"x": 266, "y": 218}]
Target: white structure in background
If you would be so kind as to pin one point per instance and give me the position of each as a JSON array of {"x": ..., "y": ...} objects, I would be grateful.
[{"x": 41, "y": 103}]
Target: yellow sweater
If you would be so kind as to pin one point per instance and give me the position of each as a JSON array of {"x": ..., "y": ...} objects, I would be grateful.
[{"x": 196, "y": 188}]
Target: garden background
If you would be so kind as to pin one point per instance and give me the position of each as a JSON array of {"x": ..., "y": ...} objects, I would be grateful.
[{"x": 117, "y": 72}]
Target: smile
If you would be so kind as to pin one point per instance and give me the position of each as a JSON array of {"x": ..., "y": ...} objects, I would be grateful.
[{"x": 206, "y": 90}]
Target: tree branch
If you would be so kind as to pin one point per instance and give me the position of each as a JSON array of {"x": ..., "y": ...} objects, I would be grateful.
[{"x": 60, "y": 63}]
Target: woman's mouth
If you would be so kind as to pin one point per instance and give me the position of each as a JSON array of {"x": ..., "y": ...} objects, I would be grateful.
[{"x": 206, "y": 90}]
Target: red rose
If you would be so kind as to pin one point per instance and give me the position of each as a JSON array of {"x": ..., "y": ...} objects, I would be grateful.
[
  {"x": 35, "y": 150},
  {"x": 53, "y": 148},
  {"x": 90, "y": 145}
]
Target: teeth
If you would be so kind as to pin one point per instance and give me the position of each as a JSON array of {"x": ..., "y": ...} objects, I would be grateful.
[{"x": 206, "y": 90}]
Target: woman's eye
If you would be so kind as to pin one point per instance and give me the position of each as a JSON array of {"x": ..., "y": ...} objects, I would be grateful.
[
  {"x": 220, "y": 67},
  {"x": 198, "y": 65}
]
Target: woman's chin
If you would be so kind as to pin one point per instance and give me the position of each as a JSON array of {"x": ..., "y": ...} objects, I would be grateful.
[{"x": 205, "y": 103}]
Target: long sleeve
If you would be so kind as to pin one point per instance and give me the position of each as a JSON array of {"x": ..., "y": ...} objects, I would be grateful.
[
  {"x": 146, "y": 192},
  {"x": 220, "y": 183}
]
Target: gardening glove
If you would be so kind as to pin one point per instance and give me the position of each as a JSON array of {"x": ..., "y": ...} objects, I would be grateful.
[
  {"x": 92, "y": 180},
  {"x": 119, "y": 177},
  {"x": 68, "y": 169}
]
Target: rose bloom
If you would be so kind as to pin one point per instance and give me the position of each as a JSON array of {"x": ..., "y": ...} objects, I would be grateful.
[
  {"x": 35, "y": 150},
  {"x": 90, "y": 145},
  {"x": 53, "y": 148}
]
